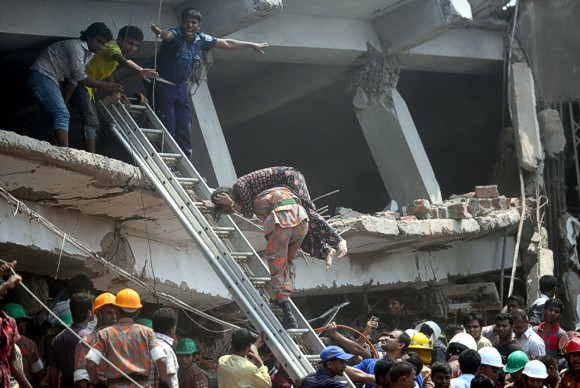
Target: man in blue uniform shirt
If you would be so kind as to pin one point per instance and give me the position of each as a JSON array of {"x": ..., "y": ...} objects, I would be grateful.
[
  {"x": 333, "y": 364},
  {"x": 179, "y": 55}
]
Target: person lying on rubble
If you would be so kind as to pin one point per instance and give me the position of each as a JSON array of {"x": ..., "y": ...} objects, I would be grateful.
[{"x": 279, "y": 197}]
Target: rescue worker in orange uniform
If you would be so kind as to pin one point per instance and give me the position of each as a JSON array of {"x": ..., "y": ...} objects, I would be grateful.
[{"x": 131, "y": 347}]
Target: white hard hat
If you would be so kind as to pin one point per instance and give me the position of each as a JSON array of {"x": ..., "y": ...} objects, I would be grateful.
[
  {"x": 464, "y": 339},
  {"x": 411, "y": 332},
  {"x": 435, "y": 327},
  {"x": 490, "y": 356},
  {"x": 536, "y": 369}
]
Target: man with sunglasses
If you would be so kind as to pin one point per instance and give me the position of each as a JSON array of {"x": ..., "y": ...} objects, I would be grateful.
[{"x": 491, "y": 365}]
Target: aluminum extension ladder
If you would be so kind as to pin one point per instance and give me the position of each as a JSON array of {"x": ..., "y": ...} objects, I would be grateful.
[{"x": 224, "y": 246}]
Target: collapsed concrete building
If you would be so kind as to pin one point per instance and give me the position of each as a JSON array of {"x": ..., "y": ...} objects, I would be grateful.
[{"x": 417, "y": 111}]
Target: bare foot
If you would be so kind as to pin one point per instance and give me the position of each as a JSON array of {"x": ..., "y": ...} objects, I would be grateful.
[
  {"x": 342, "y": 249},
  {"x": 329, "y": 258}
]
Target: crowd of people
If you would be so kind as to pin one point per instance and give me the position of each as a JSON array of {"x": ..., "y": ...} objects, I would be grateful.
[
  {"x": 94, "y": 341},
  {"x": 524, "y": 348},
  {"x": 101, "y": 341}
]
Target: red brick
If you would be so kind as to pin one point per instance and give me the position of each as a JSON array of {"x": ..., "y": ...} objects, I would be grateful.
[
  {"x": 499, "y": 203},
  {"x": 458, "y": 211},
  {"x": 486, "y": 191}
]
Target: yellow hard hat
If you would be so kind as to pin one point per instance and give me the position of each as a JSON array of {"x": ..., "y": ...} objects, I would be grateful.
[
  {"x": 128, "y": 299},
  {"x": 103, "y": 299},
  {"x": 420, "y": 341}
]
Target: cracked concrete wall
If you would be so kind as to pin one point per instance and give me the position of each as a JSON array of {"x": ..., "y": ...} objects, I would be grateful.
[{"x": 176, "y": 268}]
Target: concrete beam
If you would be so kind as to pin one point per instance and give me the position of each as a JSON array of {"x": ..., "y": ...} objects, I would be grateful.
[
  {"x": 416, "y": 22},
  {"x": 223, "y": 17},
  {"x": 462, "y": 50},
  {"x": 305, "y": 39},
  {"x": 243, "y": 101},
  {"x": 396, "y": 147},
  {"x": 522, "y": 106},
  {"x": 48, "y": 17}
]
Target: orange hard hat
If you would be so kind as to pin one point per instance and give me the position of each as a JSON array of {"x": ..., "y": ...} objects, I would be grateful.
[
  {"x": 103, "y": 299},
  {"x": 128, "y": 299}
]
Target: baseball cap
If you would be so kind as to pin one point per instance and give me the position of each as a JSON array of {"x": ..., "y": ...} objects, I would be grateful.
[{"x": 331, "y": 352}]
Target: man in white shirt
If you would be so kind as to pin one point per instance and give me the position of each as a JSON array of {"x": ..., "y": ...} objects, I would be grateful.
[
  {"x": 164, "y": 321},
  {"x": 532, "y": 344},
  {"x": 469, "y": 363},
  {"x": 548, "y": 285},
  {"x": 66, "y": 59}
]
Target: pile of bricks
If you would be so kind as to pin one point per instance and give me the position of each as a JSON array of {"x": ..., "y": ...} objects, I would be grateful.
[{"x": 483, "y": 201}]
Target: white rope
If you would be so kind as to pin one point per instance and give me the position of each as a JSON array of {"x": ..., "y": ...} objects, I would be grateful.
[
  {"x": 17, "y": 207},
  {"x": 81, "y": 339},
  {"x": 60, "y": 255},
  {"x": 519, "y": 235},
  {"x": 119, "y": 272}
]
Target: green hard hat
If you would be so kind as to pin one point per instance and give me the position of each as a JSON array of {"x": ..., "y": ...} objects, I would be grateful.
[
  {"x": 516, "y": 362},
  {"x": 67, "y": 318},
  {"x": 186, "y": 346},
  {"x": 15, "y": 310},
  {"x": 145, "y": 322}
]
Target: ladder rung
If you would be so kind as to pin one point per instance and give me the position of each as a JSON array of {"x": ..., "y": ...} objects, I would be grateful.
[
  {"x": 298, "y": 331},
  {"x": 187, "y": 181},
  {"x": 312, "y": 357},
  {"x": 149, "y": 131},
  {"x": 260, "y": 280},
  {"x": 166, "y": 155},
  {"x": 241, "y": 255},
  {"x": 137, "y": 107},
  {"x": 224, "y": 229}
]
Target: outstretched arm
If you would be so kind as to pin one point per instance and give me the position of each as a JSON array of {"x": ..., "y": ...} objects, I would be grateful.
[
  {"x": 161, "y": 33},
  {"x": 234, "y": 44},
  {"x": 146, "y": 74}
]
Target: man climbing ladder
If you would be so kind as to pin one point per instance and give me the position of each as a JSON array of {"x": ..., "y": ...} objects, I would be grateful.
[{"x": 279, "y": 197}]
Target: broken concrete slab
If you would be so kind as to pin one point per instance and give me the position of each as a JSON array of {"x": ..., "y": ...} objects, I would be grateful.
[
  {"x": 367, "y": 234},
  {"x": 552, "y": 131},
  {"x": 415, "y": 22},
  {"x": 522, "y": 106}
]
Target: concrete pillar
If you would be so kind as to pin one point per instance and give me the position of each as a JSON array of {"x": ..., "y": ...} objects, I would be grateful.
[
  {"x": 418, "y": 21},
  {"x": 390, "y": 132},
  {"x": 522, "y": 105},
  {"x": 537, "y": 262},
  {"x": 211, "y": 156}
]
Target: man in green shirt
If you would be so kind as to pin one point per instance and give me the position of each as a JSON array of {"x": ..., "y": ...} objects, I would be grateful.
[{"x": 101, "y": 67}]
